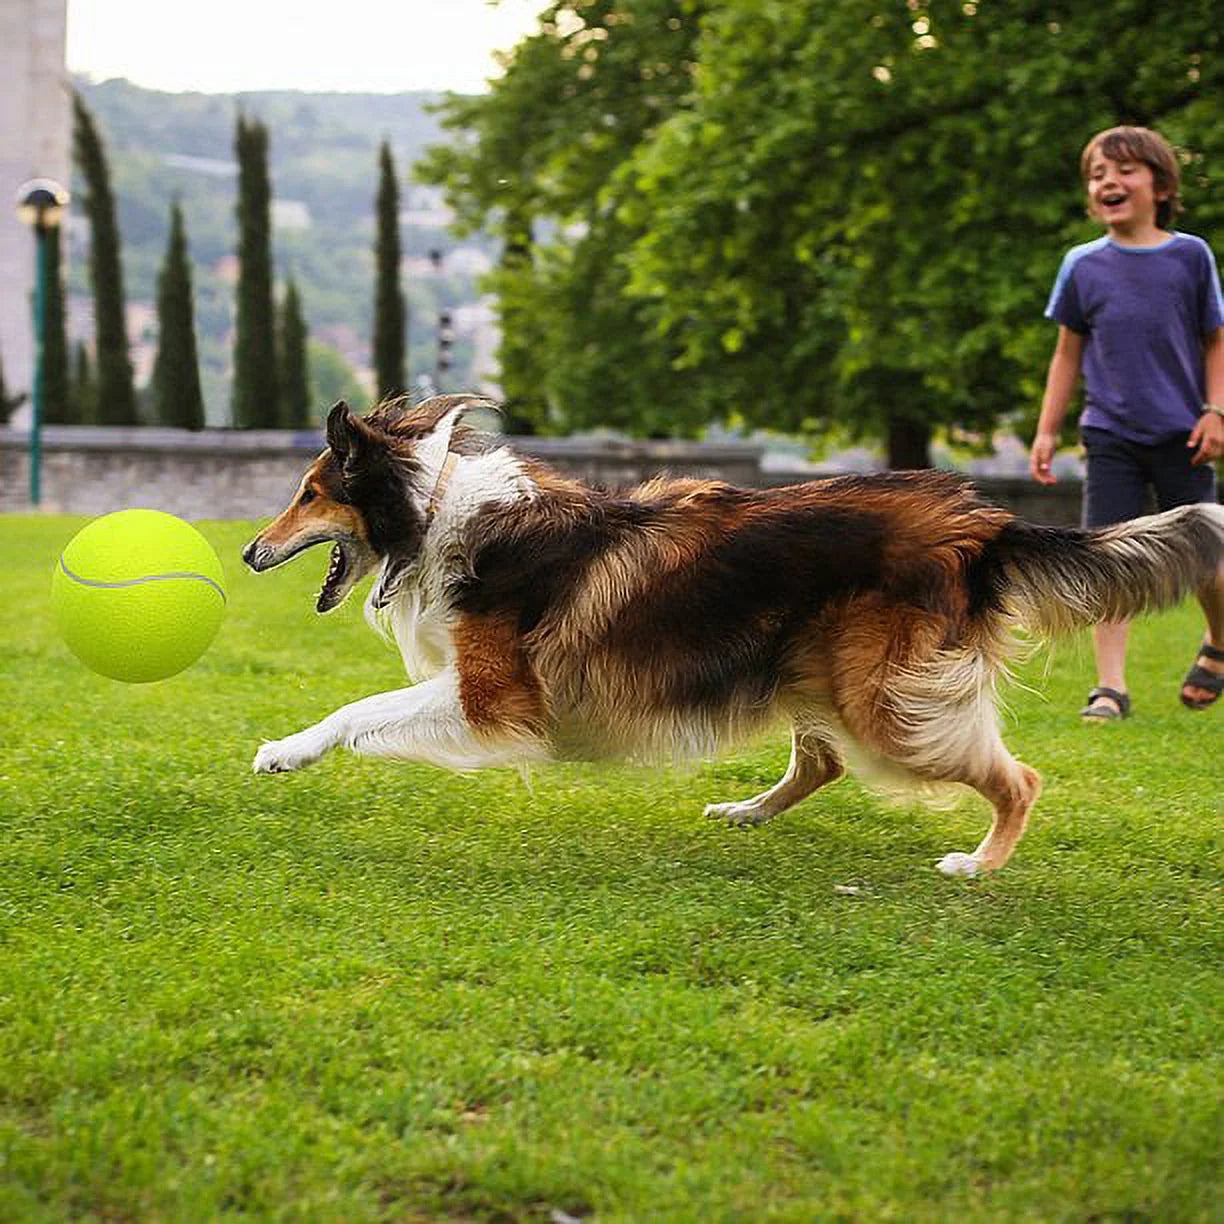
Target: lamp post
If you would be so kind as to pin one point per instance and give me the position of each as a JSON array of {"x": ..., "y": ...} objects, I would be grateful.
[
  {"x": 446, "y": 341},
  {"x": 445, "y": 335},
  {"x": 40, "y": 203}
]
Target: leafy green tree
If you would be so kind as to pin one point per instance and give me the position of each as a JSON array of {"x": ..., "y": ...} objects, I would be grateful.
[
  {"x": 390, "y": 312},
  {"x": 116, "y": 390},
  {"x": 535, "y": 162},
  {"x": 839, "y": 215},
  {"x": 884, "y": 201},
  {"x": 294, "y": 378},
  {"x": 57, "y": 405},
  {"x": 523, "y": 333},
  {"x": 255, "y": 402},
  {"x": 177, "y": 397}
]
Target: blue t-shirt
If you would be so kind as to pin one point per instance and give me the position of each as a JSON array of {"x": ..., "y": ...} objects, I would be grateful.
[{"x": 1145, "y": 312}]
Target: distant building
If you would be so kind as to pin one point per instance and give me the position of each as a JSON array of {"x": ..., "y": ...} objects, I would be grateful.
[
  {"x": 35, "y": 142},
  {"x": 425, "y": 208},
  {"x": 141, "y": 323},
  {"x": 290, "y": 215}
]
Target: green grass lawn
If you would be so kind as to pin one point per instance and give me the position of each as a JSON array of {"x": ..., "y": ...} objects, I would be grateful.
[{"x": 380, "y": 992}]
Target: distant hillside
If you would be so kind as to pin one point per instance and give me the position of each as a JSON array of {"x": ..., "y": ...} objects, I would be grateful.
[{"x": 323, "y": 152}]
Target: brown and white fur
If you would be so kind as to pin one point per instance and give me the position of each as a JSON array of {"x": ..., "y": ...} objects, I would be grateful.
[{"x": 545, "y": 620}]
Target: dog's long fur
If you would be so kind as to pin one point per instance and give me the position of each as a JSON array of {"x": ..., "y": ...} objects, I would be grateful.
[{"x": 546, "y": 620}]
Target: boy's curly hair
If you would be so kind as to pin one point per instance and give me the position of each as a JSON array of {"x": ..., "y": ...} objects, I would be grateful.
[{"x": 1142, "y": 145}]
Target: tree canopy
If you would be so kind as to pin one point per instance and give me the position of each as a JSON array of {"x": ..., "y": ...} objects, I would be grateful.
[
  {"x": 535, "y": 161},
  {"x": 797, "y": 214}
]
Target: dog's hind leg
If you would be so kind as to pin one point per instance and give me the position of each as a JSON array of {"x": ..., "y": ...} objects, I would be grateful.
[
  {"x": 936, "y": 719},
  {"x": 1012, "y": 788},
  {"x": 961, "y": 744},
  {"x": 425, "y": 723},
  {"x": 813, "y": 762}
]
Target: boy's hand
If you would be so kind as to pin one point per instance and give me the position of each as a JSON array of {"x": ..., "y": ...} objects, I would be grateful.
[
  {"x": 1208, "y": 437},
  {"x": 1041, "y": 456}
]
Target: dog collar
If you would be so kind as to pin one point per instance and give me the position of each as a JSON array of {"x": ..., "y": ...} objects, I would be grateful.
[{"x": 439, "y": 489}]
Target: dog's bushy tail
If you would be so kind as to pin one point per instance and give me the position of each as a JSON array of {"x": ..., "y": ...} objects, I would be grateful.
[{"x": 1057, "y": 579}]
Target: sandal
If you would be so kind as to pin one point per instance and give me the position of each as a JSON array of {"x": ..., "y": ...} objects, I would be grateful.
[
  {"x": 1093, "y": 712},
  {"x": 1200, "y": 677}
]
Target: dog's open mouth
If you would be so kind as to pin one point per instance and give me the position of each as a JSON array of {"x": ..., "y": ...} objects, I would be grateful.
[
  {"x": 351, "y": 559},
  {"x": 335, "y": 586}
]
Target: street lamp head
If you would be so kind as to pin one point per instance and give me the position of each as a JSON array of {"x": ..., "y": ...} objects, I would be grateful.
[{"x": 41, "y": 203}]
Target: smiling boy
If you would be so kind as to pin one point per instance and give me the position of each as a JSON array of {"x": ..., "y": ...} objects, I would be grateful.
[{"x": 1140, "y": 316}]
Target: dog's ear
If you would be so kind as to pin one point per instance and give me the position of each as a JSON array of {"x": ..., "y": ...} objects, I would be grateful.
[{"x": 348, "y": 436}]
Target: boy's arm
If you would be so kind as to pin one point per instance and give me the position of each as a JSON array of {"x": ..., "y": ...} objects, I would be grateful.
[
  {"x": 1207, "y": 437},
  {"x": 1060, "y": 383}
]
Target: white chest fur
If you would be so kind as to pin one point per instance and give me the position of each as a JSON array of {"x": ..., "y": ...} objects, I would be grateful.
[
  {"x": 420, "y": 627},
  {"x": 418, "y": 616}
]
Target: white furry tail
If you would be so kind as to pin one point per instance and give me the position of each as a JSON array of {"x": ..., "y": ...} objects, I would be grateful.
[{"x": 1055, "y": 579}]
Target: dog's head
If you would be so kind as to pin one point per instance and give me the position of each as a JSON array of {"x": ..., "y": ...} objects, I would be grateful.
[{"x": 368, "y": 494}]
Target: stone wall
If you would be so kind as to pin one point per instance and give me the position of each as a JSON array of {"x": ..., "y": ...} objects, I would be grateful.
[{"x": 252, "y": 474}]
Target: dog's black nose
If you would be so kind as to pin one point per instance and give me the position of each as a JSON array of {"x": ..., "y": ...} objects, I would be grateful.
[{"x": 248, "y": 553}]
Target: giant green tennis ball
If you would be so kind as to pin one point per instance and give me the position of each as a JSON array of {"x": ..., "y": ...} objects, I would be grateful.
[{"x": 138, "y": 595}]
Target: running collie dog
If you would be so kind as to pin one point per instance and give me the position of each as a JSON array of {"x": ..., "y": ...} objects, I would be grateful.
[{"x": 544, "y": 620}]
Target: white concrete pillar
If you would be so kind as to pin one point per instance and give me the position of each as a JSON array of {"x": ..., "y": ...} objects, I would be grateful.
[{"x": 35, "y": 142}]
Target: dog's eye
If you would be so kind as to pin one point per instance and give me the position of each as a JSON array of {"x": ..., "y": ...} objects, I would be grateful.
[{"x": 307, "y": 495}]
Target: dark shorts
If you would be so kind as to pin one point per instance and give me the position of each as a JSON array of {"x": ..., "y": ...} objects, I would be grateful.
[{"x": 1119, "y": 475}]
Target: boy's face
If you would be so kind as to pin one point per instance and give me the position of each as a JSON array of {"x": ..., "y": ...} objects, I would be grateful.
[{"x": 1122, "y": 194}]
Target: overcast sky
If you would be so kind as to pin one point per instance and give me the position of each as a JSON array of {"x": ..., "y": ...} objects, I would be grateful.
[{"x": 226, "y": 46}]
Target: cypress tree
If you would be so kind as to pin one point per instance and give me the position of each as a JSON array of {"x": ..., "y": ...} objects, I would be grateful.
[
  {"x": 390, "y": 314},
  {"x": 57, "y": 406},
  {"x": 177, "y": 397},
  {"x": 116, "y": 391},
  {"x": 293, "y": 378},
  {"x": 255, "y": 403},
  {"x": 83, "y": 390}
]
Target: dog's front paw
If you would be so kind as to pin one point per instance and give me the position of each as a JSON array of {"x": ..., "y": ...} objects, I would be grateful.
[
  {"x": 959, "y": 864},
  {"x": 737, "y": 814},
  {"x": 284, "y": 756}
]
